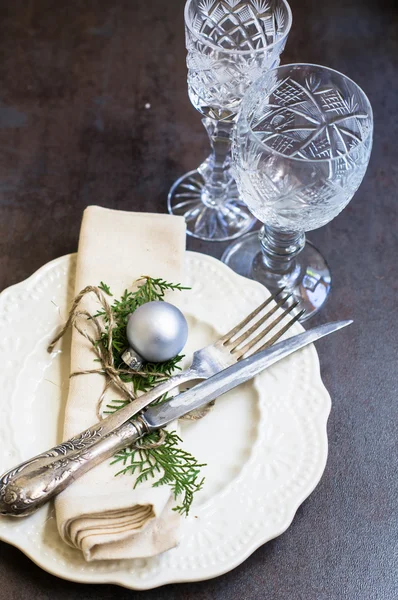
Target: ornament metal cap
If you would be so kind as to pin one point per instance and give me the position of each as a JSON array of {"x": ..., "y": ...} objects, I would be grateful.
[{"x": 132, "y": 359}]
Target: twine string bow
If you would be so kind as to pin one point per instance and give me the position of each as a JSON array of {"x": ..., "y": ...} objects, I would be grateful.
[{"x": 103, "y": 352}]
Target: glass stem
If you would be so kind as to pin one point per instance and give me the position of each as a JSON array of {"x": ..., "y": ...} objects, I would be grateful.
[
  {"x": 277, "y": 259},
  {"x": 216, "y": 170}
]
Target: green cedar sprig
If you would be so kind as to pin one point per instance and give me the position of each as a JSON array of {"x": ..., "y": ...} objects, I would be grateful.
[
  {"x": 168, "y": 462},
  {"x": 173, "y": 465}
]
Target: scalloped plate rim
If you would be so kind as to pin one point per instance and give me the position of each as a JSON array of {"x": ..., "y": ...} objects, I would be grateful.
[{"x": 100, "y": 578}]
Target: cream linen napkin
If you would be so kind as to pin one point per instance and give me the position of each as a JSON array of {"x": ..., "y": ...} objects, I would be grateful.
[{"x": 101, "y": 514}]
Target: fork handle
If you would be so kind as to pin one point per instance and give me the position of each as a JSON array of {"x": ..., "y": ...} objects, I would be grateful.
[{"x": 118, "y": 418}]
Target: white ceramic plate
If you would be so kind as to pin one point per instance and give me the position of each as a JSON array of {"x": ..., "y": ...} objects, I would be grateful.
[{"x": 265, "y": 443}]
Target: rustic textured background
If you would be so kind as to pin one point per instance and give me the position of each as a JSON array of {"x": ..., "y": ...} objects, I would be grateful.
[{"x": 75, "y": 78}]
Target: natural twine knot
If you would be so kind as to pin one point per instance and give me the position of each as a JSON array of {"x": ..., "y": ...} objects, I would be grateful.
[{"x": 104, "y": 352}]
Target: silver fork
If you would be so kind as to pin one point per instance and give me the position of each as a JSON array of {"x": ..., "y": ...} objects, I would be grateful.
[
  {"x": 226, "y": 351},
  {"x": 34, "y": 482}
]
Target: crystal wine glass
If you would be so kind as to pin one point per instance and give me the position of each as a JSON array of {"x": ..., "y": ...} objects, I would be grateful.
[
  {"x": 301, "y": 149},
  {"x": 230, "y": 44}
]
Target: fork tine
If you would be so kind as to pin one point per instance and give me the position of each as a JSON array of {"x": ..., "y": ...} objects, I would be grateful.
[
  {"x": 249, "y": 317},
  {"x": 279, "y": 333},
  {"x": 250, "y": 344},
  {"x": 235, "y": 343}
]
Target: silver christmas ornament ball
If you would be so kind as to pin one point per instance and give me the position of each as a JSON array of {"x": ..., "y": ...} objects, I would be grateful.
[{"x": 157, "y": 331}]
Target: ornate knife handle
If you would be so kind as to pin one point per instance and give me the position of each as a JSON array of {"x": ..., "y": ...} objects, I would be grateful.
[{"x": 31, "y": 484}]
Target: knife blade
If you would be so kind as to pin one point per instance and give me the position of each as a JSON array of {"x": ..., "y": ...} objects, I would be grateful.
[{"x": 159, "y": 416}]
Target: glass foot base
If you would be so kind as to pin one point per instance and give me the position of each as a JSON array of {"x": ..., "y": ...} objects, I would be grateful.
[
  {"x": 213, "y": 224},
  {"x": 313, "y": 282}
]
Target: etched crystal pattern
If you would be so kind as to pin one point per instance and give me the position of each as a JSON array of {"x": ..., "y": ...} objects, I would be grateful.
[
  {"x": 230, "y": 43},
  {"x": 302, "y": 146}
]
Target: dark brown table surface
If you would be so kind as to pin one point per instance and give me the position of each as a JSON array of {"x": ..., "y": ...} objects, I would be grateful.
[{"x": 75, "y": 78}]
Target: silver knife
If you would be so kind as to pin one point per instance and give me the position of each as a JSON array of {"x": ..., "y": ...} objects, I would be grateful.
[{"x": 31, "y": 484}]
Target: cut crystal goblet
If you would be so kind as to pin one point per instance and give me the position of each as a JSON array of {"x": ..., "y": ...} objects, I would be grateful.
[
  {"x": 230, "y": 43},
  {"x": 301, "y": 149}
]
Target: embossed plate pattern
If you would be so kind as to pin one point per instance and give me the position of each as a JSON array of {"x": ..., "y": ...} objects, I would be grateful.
[{"x": 274, "y": 429}]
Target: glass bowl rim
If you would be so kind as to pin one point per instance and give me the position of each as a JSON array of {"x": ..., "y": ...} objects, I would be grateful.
[
  {"x": 240, "y": 52},
  {"x": 305, "y": 160}
]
